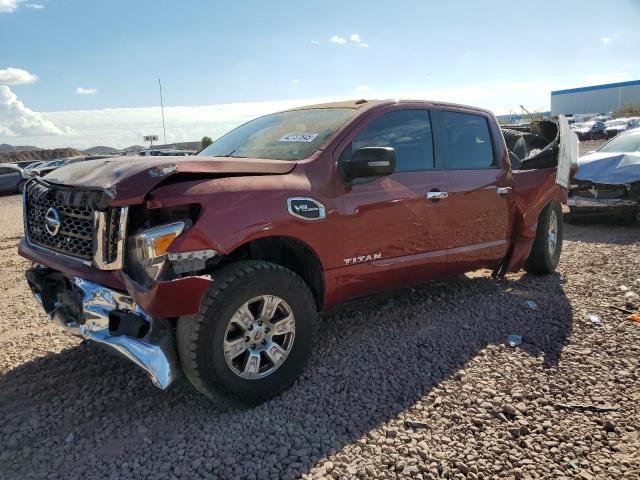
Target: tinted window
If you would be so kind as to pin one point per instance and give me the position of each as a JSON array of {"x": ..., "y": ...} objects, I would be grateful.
[
  {"x": 468, "y": 141},
  {"x": 407, "y": 131}
]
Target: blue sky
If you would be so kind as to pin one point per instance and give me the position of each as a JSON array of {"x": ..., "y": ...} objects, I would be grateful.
[{"x": 492, "y": 54}]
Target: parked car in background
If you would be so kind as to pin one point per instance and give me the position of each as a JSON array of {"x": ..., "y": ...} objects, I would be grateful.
[
  {"x": 619, "y": 125},
  {"x": 601, "y": 118},
  {"x": 608, "y": 180},
  {"x": 589, "y": 130},
  {"x": 165, "y": 152},
  {"x": 227, "y": 257},
  {"x": 42, "y": 168},
  {"x": 10, "y": 178}
]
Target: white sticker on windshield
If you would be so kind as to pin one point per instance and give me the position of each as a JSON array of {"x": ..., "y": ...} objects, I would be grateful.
[{"x": 299, "y": 137}]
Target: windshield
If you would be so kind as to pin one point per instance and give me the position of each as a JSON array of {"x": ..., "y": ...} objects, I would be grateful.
[
  {"x": 282, "y": 136},
  {"x": 624, "y": 143}
]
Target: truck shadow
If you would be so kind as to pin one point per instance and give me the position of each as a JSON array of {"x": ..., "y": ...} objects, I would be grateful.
[{"x": 375, "y": 359}]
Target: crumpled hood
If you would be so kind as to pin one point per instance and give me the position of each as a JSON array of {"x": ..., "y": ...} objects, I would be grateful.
[
  {"x": 128, "y": 179},
  {"x": 609, "y": 168}
]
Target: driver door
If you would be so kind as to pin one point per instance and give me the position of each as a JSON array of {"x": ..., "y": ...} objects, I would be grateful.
[{"x": 393, "y": 233}]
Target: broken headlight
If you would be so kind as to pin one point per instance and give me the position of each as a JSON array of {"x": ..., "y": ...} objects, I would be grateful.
[{"x": 147, "y": 251}]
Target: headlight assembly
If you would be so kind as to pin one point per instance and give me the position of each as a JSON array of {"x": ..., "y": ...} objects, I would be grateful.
[{"x": 147, "y": 251}]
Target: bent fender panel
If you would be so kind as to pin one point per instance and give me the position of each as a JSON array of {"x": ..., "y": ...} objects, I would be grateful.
[{"x": 534, "y": 189}]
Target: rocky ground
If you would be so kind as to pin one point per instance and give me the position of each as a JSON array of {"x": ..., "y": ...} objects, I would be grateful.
[{"x": 414, "y": 383}]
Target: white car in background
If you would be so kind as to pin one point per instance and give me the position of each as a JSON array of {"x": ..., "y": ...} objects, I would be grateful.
[{"x": 608, "y": 179}]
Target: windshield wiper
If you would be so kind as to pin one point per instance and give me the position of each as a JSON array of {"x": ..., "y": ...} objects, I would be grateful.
[{"x": 230, "y": 154}]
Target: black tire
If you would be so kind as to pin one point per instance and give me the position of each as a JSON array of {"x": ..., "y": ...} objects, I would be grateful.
[
  {"x": 201, "y": 337},
  {"x": 542, "y": 259}
]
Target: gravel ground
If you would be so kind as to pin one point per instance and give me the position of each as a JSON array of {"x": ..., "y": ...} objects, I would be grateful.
[{"x": 414, "y": 383}]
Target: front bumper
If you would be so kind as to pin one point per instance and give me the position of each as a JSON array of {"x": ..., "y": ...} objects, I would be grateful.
[
  {"x": 601, "y": 203},
  {"x": 109, "y": 318}
]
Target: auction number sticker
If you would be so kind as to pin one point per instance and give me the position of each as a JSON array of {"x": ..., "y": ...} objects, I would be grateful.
[{"x": 299, "y": 137}]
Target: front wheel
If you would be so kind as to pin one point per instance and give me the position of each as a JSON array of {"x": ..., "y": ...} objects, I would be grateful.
[
  {"x": 253, "y": 337},
  {"x": 547, "y": 246}
]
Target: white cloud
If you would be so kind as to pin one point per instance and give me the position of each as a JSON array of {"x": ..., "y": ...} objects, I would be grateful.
[
  {"x": 9, "y": 6},
  {"x": 18, "y": 120},
  {"x": 296, "y": 81},
  {"x": 363, "y": 88},
  {"x": 35, "y": 6},
  {"x": 357, "y": 39},
  {"x": 86, "y": 91},
  {"x": 315, "y": 42},
  {"x": 335, "y": 39},
  {"x": 605, "y": 39},
  {"x": 16, "y": 76},
  {"x": 122, "y": 127}
]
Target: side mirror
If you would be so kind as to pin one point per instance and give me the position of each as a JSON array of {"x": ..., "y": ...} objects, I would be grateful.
[{"x": 370, "y": 162}]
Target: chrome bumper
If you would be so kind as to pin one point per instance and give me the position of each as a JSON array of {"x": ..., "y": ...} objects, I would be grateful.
[{"x": 154, "y": 352}]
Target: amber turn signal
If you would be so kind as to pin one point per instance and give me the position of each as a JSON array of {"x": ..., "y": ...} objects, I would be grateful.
[{"x": 162, "y": 242}]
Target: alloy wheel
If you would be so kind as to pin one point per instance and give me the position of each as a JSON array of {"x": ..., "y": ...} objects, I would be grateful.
[{"x": 259, "y": 337}]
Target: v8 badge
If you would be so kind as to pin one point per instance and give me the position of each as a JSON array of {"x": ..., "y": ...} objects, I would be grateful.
[{"x": 305, "y": 208}]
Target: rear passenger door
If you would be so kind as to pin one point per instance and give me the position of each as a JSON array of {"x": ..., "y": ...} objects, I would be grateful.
[{"x": 480, "y": 198}]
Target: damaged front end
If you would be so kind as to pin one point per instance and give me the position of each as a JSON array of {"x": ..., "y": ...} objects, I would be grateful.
[
  {"x": 603, "y": 199},
  {"x": 106, "y": 273},
  {"x": 110, "y": 318},
  {"x": 607, "y": 184}
]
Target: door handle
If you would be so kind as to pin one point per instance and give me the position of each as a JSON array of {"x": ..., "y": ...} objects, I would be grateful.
[
  {"x": 503, "y": 190},
  {"x": 435, "y": 196}
]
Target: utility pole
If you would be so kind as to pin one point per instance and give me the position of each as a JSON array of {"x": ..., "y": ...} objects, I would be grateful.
[{"x": 164, "y": 131}]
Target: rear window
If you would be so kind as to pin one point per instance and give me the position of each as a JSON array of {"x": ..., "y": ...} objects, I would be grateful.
[{"x": 467, "y": 140}]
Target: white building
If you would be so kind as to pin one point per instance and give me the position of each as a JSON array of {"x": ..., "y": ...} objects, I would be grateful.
[{"x": 595, "y": 99}]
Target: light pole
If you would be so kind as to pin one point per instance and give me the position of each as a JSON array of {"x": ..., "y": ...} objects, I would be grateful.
[{"x": 164, "y": 131}]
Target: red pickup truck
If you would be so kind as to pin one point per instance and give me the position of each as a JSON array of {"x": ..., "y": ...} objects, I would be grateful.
[{"x": 217, "y": 265}]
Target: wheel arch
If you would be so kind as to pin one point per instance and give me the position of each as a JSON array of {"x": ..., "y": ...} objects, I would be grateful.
[{"x": 288, "y": 252}]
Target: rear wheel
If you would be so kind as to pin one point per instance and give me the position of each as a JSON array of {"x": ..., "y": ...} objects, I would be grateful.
[
  {"x": 253, "y": 337},
  {"x": 547, "y": 246}
]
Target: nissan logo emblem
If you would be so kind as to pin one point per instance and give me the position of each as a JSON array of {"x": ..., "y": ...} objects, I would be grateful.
[{"x": 52, "y": 221}]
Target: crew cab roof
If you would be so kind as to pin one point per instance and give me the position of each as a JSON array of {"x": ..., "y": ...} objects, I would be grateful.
[{"x": 362, "y": 104}]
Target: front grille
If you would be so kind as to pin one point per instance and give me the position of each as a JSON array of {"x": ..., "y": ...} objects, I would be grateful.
[
  {"x": 75, "y": 234},
  {"x": 88, "y": 229}
]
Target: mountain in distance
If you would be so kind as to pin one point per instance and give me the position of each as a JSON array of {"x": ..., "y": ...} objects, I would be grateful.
[
  {"x": 38, "y": 155},
  {"x": 6, "y": 148},
  {"x": 133, "y": 148},
  {"x": 100, "y": 150}
]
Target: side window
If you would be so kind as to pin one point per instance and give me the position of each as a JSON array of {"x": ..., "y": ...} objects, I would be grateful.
[
  {"x": 468, "y": 141},
  {"x": 407, "y": 131}
]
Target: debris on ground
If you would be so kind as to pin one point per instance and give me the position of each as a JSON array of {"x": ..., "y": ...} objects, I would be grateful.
[
  {"x": 634, "y": 316},
  {"x": 596, "y": 321},
  {"x": 514, "y": 340},
  {"x": 585, "y": 407},
  {"x": 531, "y": 305},
  {"x": 631, "y": 300},
  {"x": 620, "y": 309}
]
